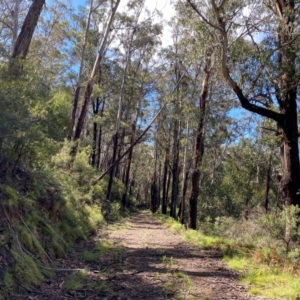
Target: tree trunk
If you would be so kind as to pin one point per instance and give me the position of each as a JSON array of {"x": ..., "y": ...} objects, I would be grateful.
[
  {"x": 184, "y": 190},
  {"x": 78, "y": 83},
  {"x": 198, "y": 148},
  {"x": 268, "y": 179},
  {"x": 83, "y": 111},
  {"x": 181, "y": 214},
  {"x": 112, "y": 170},
  {"x": 165, "y": 195},
  {"x": 98, "y": 151},
  {"x": 288, "y": 102},
  {"x": 96, "y": 106},
  {"x": 153, "y": 194},
  {"x": 138, "y": 198},
  {"x": 159, "y": 187},
  {"x": 119, "y": 149},
  {"x": 176, "y": 143},
  {"x": 128, "y": 166},
  {"x": 91, "y": 82},
  {"x": 289, "y": 184},
  {"x": 24, "y": 39},
  {"x": 16, "y": 25}
]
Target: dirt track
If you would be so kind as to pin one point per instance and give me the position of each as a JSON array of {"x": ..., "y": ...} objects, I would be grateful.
[{"x": 146, "y": 261}]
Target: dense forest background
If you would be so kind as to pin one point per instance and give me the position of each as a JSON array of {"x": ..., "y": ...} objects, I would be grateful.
[{"x": 98, "y": 119}]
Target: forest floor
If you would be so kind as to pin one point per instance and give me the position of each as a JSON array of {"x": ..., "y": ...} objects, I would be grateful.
[{"x": 140, "y": 259}]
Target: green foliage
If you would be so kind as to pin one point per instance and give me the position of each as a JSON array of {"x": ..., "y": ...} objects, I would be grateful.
[
  {"x": 283, "y": 226},
  {"x": 236, "y": 262},
  {"x": 26, "y": 269},
  {"x": 76, "y": 281},
  {"x": 118, "y": 190},
  {"x": 26, "y": 238},
  {"x": 8, "y": 280},
  {"x": 57, "y": 248},
  {"x": 95, "y": 216},
  {"x": 80, "y": 278},
  {"x": 271, "y": 282},
  {"x": 29, "y": 116},
  {"x": 168, "y": 262},
  {"x": 11, "y": 195},
  {"x": 84, "y": 171},
  {"x": 98, "y": 192},
  {"x": 104, "y": 247},
  {"x": 73, "y": 284},
  {"x": 53, "y": 217}
]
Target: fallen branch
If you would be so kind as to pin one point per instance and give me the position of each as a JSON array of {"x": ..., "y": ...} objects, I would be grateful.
[
  {"x": 128, "y": 150},
  {"x": 62, "y": 270}
]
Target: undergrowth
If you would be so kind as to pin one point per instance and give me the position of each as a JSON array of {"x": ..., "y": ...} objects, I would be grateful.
[
  {"x": 257, "y": 248},
  {"x": 43, "y": 212}
]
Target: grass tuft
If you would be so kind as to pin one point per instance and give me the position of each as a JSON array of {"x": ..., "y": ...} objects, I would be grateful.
[{"x": 90, "y": 256}]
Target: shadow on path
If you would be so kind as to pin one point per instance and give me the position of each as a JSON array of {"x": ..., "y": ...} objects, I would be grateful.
[{"x": 145, "y": 261}]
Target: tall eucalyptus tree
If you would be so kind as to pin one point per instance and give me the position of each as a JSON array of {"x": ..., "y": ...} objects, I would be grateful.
[{"x": 262, "y": 72}]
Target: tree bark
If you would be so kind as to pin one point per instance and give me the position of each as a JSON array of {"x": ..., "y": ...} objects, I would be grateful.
[
  {"x": 16, "y": 25},
  {"x": 24, "y": 38},
  {"x": 128, "y": 166},
  {"x": 199, "y": 147},
  {"x": 181, "y": 214},
  {"x": 91, "y": 82},
  {"x": 165, "y": 195},
  {"x": 268, "y": 179},
  {"x": 112, "y": 170},
  {"x": 290, "y": 182},
  {"x": 83, "y": 111},
  {"x": 176, "y": 144},
  {"x": 96, "y": 105},
  {"x": 78, "y": 83},
  {"x": 99, "y": 141}
]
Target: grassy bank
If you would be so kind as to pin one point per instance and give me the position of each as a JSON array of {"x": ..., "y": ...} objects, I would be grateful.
[{"x": 43, "y": 213}]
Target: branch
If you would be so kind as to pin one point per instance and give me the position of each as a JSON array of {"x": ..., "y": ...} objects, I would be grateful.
[
  {"x": 233, "y": 85},
  {"x": 131, "y": 147},
  {"x": 271, "y": 129},
  {"x": 202, "y": 17}
]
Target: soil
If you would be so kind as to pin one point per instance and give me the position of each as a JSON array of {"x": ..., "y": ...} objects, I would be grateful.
[{"x": 144, "y": 260}]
